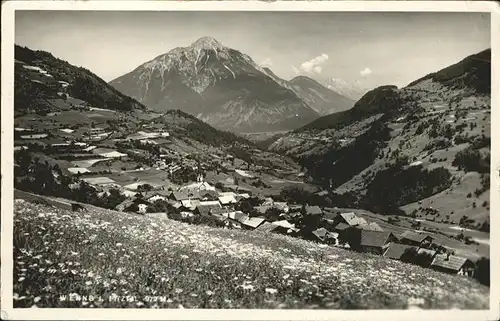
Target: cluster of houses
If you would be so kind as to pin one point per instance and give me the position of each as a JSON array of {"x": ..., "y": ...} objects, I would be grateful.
[{"x": 328, "y": 226}]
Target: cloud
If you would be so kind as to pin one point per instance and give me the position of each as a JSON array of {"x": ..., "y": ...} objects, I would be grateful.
[
  {"x": 312, "y": 66},
  {"x": 296, "y": 70},
  {"x": 267, "y": 62},
  {"x": 365, "y": 72}
]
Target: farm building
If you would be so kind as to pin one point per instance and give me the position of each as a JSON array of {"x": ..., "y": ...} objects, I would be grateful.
[
  {"x": 136, "y": 205},
  {"x": 395, "y": 251},
  {"x": 320, "y": 234},
  {"x": 208, "y": 195},
  {"x": 267, "y": 227},
  {"x": 156, "y": 196},
  {"x": 340, "y": 227},
  {"x": 285, "y": 227},
  {"x": 375, "y": 242},
  {"x": 227, "y": 200},
  {"x": 200, "y": 186},
  {"x": 190, "y": 204},
  {"x": 415, "y": 239},
  {"x": 236, "y": 215},
  {"x": 78, "y": 170},
  {"x": 453, "y": 264},
  {"x": 313, "y": 210},
  {"x": 253, "y": 222},
  {"x": 429, "y": 252},
  {"x": 372, "y": 227},
  {"x": 34, "y": 136},
  {"x": 206, "y": 207},
  {"x": 184, "y": 195},
  {"x": 350, "y": 219},
  {"x": 282, "y": 206}
]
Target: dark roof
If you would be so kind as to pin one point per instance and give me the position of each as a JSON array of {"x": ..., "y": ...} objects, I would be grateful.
[
  {"x": 428, "y": 251},
  {"x": 395, "y": 250},
  {"x": 374, "y": 238},
  {"x": 350, "y": 218},
  {"x": 267, "y": 227},
  {"x": 452, "y": 262},
  {"x": 184, "y": 195},
  {"x": 313, "y": 210},
  {"x": 208, "y": 193},
  {"x": 321, "y": 233},
  {"x": 417, "y": 237},
  {"x": 341, "y": 226},
  {"x": 372, "y": 227}
]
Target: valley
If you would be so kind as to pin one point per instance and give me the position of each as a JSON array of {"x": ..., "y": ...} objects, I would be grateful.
[{"x": 204, "y": 136}]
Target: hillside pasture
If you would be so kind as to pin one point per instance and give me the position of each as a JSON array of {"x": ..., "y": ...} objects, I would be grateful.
[{"x": 59, "y": 253}]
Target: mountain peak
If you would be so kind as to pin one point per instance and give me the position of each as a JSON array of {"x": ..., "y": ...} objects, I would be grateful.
[{"x": 206, "y": 43}]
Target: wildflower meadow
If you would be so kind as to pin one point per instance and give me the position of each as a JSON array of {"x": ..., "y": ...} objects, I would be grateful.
[{"x": 105, "y": 259}]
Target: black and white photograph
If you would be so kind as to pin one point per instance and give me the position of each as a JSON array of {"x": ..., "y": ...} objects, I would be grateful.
[{"x": 247, "y": 159}]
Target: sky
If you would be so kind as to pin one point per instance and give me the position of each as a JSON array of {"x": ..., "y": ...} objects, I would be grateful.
[{"x": 367, "y": 49}]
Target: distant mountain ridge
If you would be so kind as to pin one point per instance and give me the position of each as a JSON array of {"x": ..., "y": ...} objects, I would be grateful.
[
  {"x": 224, "y": 88},
  {"x": 471, "y": 72},
  {"x": 40, "y": 78}
]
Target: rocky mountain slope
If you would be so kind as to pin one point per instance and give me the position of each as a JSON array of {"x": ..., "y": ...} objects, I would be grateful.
[
  {"x": 430, "y": 138},
  {"x": 323, "y": 100},
  {"x": 43, "y": 83},
  {"x": 219, "y": 85}
]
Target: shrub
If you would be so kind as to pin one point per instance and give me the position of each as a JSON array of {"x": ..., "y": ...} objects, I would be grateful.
[{"x": 471, "y": 160}]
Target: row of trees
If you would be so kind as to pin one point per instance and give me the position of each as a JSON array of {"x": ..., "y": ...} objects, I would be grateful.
[{"x": 38, "y": 177}]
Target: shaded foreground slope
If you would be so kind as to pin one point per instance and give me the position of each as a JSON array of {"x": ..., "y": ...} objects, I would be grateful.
[{"x": 102, "y": 253}]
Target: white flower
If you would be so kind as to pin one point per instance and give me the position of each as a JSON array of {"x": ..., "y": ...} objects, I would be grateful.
[
  {"x": 119, "y": 271},
  {"x": 271, "y": 290},
  {"x": 37, "y": 299},
  {"x": 209, "y": 292}
]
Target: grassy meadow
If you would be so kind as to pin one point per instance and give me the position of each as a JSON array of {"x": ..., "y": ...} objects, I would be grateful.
[{"x": 61, "y": 258}]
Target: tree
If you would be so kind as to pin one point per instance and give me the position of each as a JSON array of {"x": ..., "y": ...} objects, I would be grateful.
[
  {"x": 482, "y": 271},
  {"x": 144, "y": 188},
  {"x": 158, "y": 206}
]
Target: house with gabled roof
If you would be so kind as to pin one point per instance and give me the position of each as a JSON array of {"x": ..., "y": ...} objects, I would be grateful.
[
  {"x": 190, "y": 204},
  {"x": 227, "y": 200},
  {"x": 285, "y": 227},
  {"x": 415, "y": 239},
  {"x": 320, "y": 234},
  {"x": 183, "y": 195},
  {"x": 266, "y": 227},
  {"x": 208, "y": 195},
  {"x": 395, "y": 250},
  {"x": 340, "y": 227},
  {"x": 453, "y": 264},
  {"x": 372, "y": 227},
  {"x": 350, "y": 218},
  {"x": 313, "y": 210},
  {"x": 375, "y": 242},
  {"x": 252, "y": 222},
  {"x": 154, "y": 196}
]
